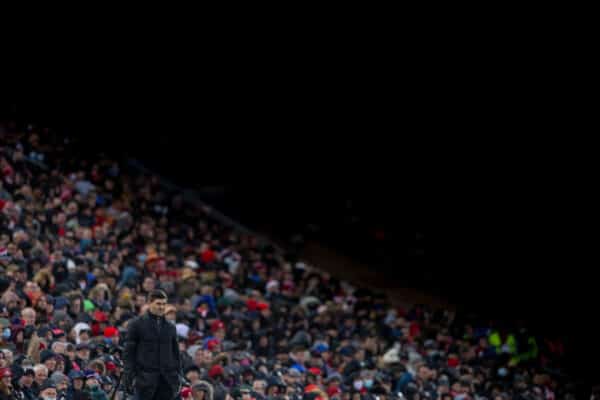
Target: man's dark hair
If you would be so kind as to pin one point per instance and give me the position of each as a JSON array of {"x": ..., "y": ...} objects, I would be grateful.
[{"x": 157, "y": 295}]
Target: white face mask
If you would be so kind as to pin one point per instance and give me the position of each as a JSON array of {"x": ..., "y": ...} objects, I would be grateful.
[
  {"x": 358, "y": 385},
  {"x": 49, "y": 398}
]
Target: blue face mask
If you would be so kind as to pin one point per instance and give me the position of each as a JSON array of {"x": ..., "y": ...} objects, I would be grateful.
[
  {"x": 142, "y": 258},
  {"x": 6, "y": 333},
  {"x": 368, "y": 383}
]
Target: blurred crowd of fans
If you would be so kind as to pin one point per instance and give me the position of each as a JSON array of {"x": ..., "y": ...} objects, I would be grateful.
[{"x": 83, "y": 241}]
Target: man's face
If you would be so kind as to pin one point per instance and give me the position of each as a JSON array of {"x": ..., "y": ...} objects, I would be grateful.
[
  {"x": 41, "y": 376},
  {"x": 59, "y": 347},
  {"x": 192, "y": 376},
  {"x": 456, "y": 387},
  {"x": 84, "y": 336},
  {"x": 299, "y": 355},
  {"x": 148, "y": 284},
  {"x": 202, "y": 357},
  {"x": 360, "y": 355},
  {"x": 21, "y": 277},
  {"x": 62, "y": 386},
  {"x": 140, "y": 300},
  {"x": 29, "y": 317},
  {"x": 84, "y": 354},
  {"x": 171, "y": 316},
  {"x": 6, "y": 381},
  {"x": 50, "y": 364},
  {"x": 187, "y": 306},
  {"x": 42, "y": 303},
  {"x": 290, "y": 379},
  {"x": 27, "y": 380},
  {"x": 78, "y": 384},
  {"x": 259, "y": 386},
  {"x": 70, "y": 354},
  {"x": 49, "y": 393},
  {"x": 220, "y": 334},
  {"x": 424, "y": 373},
  {"x": 92, "y": 382},
  {"x": 157, "y": 307}
]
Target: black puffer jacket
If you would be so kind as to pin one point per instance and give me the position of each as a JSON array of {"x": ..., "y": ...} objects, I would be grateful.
[{"x": 151, "y": 350}]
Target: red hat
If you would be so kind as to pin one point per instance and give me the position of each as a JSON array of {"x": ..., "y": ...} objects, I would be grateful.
[
  {"x": 4, "y": 372},
  {"x": 315, "y": 371},
  {"x": 110, "y": 366},
  {"x": 216, "y": 370},
  {"x": 186, "y": 391},
  {"x": 194, "y": 338},
  {"x": 252, "y": 305},
  {"x": 208, "y": 256},
  {"x": 262, "y": 306},
  {"x": 100, "y": 316},
  {"x": 453, "y": 361},
  {"x": 216, "y": 325},
  {"x": 333, "y": 390},
  {"x": 110, "y": 331},
  {"x": 211, "y": 344},
  {"x": 58, "y": 332},
  {"x": 311, "y": 388},
  {"x": 414, "y": 329}
]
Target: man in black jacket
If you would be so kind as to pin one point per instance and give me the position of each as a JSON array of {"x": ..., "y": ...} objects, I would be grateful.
[{"x": 152, "y": 359}]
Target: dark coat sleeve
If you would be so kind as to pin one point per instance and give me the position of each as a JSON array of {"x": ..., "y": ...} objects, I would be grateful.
[{"x": 131, "y": 343}]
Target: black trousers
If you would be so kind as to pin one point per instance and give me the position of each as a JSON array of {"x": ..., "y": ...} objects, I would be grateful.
[{"x": 157, "y": 389}]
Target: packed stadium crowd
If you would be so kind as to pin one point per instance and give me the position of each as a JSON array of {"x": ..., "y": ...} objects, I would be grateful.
[{"x": 85, "y": 241}]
